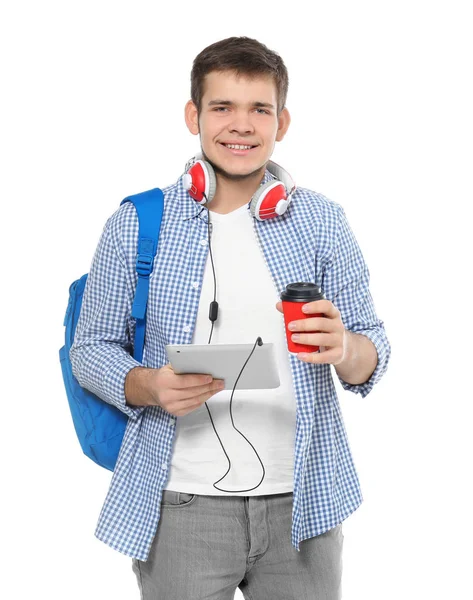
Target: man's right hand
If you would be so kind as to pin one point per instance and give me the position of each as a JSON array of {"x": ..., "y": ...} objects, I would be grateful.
[{"x": 176, "y": 394}]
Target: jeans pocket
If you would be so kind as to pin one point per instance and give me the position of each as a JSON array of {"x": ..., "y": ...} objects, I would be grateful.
[{"x": 172, "y": 499}]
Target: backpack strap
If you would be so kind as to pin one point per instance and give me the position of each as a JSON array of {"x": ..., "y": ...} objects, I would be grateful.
[{"x": 149, "y": 207}]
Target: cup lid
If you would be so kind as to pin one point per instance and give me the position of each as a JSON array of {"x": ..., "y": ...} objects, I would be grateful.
[{"x": 301, "y": 292}]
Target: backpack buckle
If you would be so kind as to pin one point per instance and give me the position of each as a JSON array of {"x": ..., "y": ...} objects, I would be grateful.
[
  {"x": 144, "y": 260},
  {"x": 144, "y": 264}
]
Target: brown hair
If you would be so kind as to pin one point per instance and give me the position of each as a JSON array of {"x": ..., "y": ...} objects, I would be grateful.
[{"x": 243, "y": 56}]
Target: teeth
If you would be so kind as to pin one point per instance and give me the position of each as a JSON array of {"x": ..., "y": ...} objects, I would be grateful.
[{"x": 237, "y": 147}]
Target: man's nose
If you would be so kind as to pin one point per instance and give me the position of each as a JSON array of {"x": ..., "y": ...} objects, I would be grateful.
[{"x": 242, "y": 123}]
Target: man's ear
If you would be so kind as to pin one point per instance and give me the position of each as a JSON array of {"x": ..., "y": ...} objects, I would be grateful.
[
  {"x": 284, "y": 120},
  {"x": 191, "y": 117}
]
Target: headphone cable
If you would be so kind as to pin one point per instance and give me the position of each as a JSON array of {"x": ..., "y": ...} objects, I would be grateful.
[{"x": 213, "y": 313}]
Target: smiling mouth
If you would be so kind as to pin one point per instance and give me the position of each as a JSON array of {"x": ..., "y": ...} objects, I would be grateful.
[{"x": 238, "y": 148}]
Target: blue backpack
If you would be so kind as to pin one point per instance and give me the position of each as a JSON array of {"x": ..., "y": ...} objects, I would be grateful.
[{"x": 100, "y": 426}]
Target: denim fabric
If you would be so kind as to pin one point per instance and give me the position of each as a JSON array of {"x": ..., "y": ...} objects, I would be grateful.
[{"x": 208, "y": 546}]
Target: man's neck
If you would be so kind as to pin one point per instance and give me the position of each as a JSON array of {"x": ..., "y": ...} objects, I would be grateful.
[{"x": 231, "y": 195}]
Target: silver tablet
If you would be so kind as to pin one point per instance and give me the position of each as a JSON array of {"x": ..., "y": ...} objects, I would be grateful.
[{"x": 225, "y": 361}]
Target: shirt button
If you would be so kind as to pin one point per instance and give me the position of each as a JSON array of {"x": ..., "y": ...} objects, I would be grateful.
[
  {"x": 186, "y": 329},
  {"x": 172, "y": 421},
  {"x": 203, "y": 242},
  {"x": 195, "y": 284},
  {"x": 164, "y": 466}
]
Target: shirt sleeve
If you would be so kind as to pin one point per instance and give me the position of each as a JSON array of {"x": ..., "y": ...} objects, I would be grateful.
[
  {"x": 101, "y": 352},
  {"x": 346, "y": 284}
]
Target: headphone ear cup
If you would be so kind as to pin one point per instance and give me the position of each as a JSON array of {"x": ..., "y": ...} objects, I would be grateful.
[
  {"x": 200, "y": 181},
  {"x": 269, "y": 200},
  {"x": 212, "y": 180}
]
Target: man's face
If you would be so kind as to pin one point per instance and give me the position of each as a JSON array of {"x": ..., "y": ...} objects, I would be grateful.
[{"x": 240, "y": 111}]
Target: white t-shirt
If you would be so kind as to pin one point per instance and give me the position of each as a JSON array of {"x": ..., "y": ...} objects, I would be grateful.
[{"x": 246, "y": 296}]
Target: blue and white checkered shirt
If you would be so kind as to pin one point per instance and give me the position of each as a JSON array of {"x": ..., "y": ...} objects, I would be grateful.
[{"x": 313, "y": 242}]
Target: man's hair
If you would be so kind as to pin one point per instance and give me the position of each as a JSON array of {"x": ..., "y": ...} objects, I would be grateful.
[{"x": 243, "y": 56}]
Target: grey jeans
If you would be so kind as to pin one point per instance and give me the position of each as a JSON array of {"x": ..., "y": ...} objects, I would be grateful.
[{"x": 206, "y": 547}]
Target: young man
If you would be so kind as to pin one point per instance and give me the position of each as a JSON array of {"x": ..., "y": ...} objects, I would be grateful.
[{"x": 276, "y": 536}]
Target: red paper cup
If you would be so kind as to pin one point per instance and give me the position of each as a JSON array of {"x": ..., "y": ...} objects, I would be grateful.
[
  {"x": 293, "y": 312},
  {"x": 293, "y": 298}
]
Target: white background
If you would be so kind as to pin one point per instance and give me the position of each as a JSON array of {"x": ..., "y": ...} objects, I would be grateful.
[{"x": 380, "y": 97}]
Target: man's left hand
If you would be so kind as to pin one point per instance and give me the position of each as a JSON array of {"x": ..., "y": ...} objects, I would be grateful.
[{"x": 333, "y": 336}]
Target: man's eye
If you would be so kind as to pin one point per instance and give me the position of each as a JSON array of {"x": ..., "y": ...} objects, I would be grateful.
[
  {"x": 221, "y": 108},
  {"x": 265, "y": 112}
]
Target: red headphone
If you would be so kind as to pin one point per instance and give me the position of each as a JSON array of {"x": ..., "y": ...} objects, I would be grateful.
[{"x": 270, "y": 200}]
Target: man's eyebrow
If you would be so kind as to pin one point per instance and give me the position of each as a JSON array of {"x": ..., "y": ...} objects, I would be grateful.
[{"x": 230, "y": 103}]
